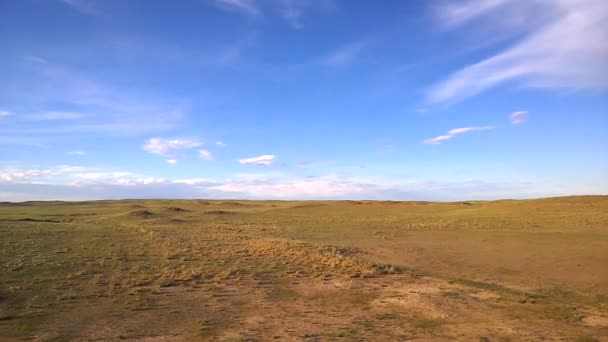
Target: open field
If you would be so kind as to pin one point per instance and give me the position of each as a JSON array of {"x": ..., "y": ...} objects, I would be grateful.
[{"x": 159, "y": 270}]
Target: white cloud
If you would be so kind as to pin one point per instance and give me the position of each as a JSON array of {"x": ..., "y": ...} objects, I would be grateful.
[
  {"x": 437, "y": 140},
  {"x": 22, "y": 140},
  {"x": 165, "y": 147},
  {"x": 101, "y": 176},
  {"x": 77, "y": 153},
  {"x": 152, "y": 180},
  {"x": 53, "y": 115},
  {"x": 133, "y": 181},
  {"x": 73, "y": 175},
  {"x": 319, "y": 187},
  {"x": 457, "y": 13},
  {"x": 220, "y": 144},
  {"x": 84, "y": 6},
  {"x": 518, "y": 117},
  {"x": 104, "y": 108},
  {"x": 194, "y": 181},
  {"x": 344, "y": 55},
  {"x": 454, "y": 132},
  {"x": 291, "y": 13},
  {"x": 563, "y": 52},
  {"x": 36, "y": 59},
  {"x": 248, "y": 7},
  {"x": 36, "y": 175},
  {"x": 70, "y": 168},
  {"x": 205, "y": 155},
  {"x": 266, "y": 159},
  {"x": 17, "y": 175},
  {"x": 5, "y": 113},
  {"x": 53, "y": 184},
  {"x": 172, "y": 161}
]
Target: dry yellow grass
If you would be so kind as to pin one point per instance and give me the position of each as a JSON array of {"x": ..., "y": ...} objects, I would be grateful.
[{"x": 343, "y": 270}]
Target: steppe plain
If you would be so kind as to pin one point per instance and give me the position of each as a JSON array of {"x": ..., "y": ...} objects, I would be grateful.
[{"x": 189, "y": 270}]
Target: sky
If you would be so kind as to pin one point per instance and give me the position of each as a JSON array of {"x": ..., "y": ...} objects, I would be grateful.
[{"x": 303, "y": 99}]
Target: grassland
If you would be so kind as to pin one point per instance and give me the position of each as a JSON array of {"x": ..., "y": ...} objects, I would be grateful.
[{"x": 159, "y": 270}]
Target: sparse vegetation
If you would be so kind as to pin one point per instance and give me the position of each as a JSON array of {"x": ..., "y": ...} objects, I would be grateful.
[{"x": 231, "y": 270}]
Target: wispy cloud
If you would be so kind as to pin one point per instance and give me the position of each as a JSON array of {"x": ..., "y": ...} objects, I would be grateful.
[
  {"x": 77, "y": 153},
  {"x": 55, "y": 115},
  {"x": 518, "y": 117},
  {"x": 22, "y": 140},
  {"x": 562, "y": 53},
  {"x": 194, "y": 181},
  {"x": 39, "y": 174},
  {"x": 205, "y": 155},
  {"x": 36, "y": 59},
  {"x": 457, "y": 13},
  {"x": 291, "y": 12},
  {"x": 266, "y": 159},
  {"x": 166, "y": 147},
  {"x": 318, "y": 187},
  {"x": 4, "y": 113},
  {"x": 95, "y": 107},
  {"x": 172, "y": 161},
  {"x": 18, "y": 175},
  {"x": 78, "y": 182},
  {"x": 248, "y": 7},
  {"x": 454, "y": 132},
  {"x": 220, "y": 144},
  {"x": 232, "y": 52},
  {"x": 89, "y": 7},
  {"x": 343, "y": 55},
  {"x": 109, "y": 177}
]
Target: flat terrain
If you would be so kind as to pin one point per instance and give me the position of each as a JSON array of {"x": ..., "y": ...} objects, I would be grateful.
[{"x": 159, "y": 270}]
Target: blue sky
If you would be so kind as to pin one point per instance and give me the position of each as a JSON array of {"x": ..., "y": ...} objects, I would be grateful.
[{"x": 303, "y": 99}]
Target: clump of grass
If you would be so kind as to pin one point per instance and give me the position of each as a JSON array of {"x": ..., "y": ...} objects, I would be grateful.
[
  {"x": 139, "y": 302},
  {"x": 425, "y": 324},
  {"x": 387, "y": 316},
  {"x": 142, "y": 213},
  {"x": 557, "y": 292},
  {"x": 280, "y": 293},
  {"x": 168, "y": 283},
  {"x": 586, "y": 338},
  {"x": 22, "y": 329},
  {"x": 563, "y": 313},
  {"x": 6, "y": 315},
  {"x": 338, "y": 259}
]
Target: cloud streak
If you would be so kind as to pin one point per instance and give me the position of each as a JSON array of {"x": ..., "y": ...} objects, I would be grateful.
[
  {"x": 291, "y": 13},
  {"x": 55, "y": 115},
  {"x": 518, "y": 117},
  {"x": 457, "y": 13},
  {"x": 205, "y": 155},
  {"x": 263, "y": 160},
  {"x": 248, "y": 7},
  {"x": 562, "y": 53},
  {"x": 454, "y": 132},
  {"x": 69, "y": 184},
  {"x": 344, "y": 55},
  {"x": 95, "y": 107},
  {"x": 166, "y": 147},
  {"x": 84, "y": 6}
]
